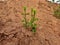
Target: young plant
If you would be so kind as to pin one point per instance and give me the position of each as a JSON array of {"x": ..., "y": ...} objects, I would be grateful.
[
  {"x": 24, "y": 16},
  {"x": 32, "y": 23}
]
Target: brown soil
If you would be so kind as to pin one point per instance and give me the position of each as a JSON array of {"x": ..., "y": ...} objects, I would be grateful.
[{"x": 12, "y": 31}]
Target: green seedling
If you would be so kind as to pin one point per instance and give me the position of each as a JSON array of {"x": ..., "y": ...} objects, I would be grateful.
[
  {"x": 24, "y": 16},
  {"x": 31, "y": 23}
]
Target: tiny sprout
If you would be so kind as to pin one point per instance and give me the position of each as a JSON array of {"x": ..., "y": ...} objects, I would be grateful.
[
  {"x": 34, "y": 11},
  {"x": 25, "y": 8},
  {"x": 24, "y": 16},
  {"x": 31, "y": 23}
]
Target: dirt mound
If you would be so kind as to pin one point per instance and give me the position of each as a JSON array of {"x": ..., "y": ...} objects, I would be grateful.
[{"x": 12, "y": 31}]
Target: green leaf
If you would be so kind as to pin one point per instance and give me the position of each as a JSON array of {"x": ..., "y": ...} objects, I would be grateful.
[
  {"x": 35, "y": 19},
  {"x": 35, "y": 25},
  {"x": 33, "y": 30},
  {"x": 34, "y": 12},
  {"x": 25, "y": 8},
  {"x": 30, "y": 24}
]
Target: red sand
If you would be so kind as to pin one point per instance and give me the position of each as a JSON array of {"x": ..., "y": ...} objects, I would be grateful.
[{"x": 12, "y": 31}]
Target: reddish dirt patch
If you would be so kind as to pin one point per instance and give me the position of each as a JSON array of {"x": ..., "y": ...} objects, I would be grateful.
[{"x": 12, "y": 31}]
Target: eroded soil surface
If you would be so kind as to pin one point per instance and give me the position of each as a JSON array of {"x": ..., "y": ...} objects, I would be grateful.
[{"x": 12, "y": 31}]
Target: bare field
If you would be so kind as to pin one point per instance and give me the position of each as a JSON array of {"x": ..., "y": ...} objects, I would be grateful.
[{"x": 12, "y": 31}]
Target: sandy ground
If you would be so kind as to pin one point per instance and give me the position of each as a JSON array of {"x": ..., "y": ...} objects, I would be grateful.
[{"x": 12, "y": 31}]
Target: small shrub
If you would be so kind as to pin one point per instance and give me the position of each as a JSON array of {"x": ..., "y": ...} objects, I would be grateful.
[{"x": 31, "y": 23}]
